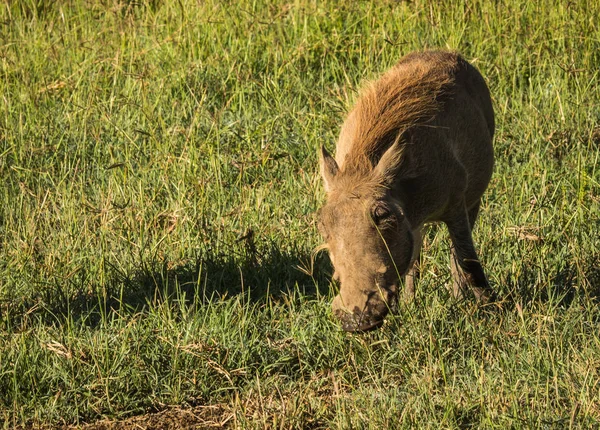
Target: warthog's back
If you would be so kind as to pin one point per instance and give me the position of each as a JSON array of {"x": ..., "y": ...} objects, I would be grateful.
[{"x": 439, "y": 107}]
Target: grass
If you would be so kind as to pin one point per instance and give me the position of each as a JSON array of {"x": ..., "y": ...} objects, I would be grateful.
[{"x": 159, "y": 183}]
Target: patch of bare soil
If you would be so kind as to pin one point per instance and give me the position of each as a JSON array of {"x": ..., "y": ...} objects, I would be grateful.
[{"x": 200, "y": 417}]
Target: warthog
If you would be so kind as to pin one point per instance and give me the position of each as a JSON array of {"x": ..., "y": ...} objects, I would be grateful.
[{"x": 416, "y": 149}]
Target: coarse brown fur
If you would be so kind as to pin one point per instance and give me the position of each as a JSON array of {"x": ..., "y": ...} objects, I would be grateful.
[
  {"x": 407, "y": 95},
  {"x": 415, "y": 149}
]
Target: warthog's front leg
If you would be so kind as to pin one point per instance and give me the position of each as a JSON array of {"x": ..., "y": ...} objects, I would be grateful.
[
  {"x": 466, "y": 268},
  {"x": 414, "y": 270}
]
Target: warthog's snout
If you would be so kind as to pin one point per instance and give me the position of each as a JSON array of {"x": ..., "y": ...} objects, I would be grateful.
[{"x": 367, "y": 317}]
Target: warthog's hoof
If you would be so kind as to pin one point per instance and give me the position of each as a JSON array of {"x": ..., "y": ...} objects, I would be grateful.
[{"x": 483, "y": 295}]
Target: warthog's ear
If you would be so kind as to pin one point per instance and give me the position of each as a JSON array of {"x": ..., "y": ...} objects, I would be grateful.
[
  {"x": 329, "y": 168},
  {"x": 389, "y": 163}
]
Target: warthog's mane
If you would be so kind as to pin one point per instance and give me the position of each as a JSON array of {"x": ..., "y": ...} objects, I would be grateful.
[{"x": 409, "y": 94}]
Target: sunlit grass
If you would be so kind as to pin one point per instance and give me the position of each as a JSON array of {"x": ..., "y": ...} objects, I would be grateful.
[{"x": 156, "y": 219}]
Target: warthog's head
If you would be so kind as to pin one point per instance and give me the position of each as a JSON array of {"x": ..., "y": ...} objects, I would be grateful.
[{"x": 369, "y": 240}]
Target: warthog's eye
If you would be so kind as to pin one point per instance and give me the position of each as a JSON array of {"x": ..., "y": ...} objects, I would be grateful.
[{"x": 380, "y": 214}]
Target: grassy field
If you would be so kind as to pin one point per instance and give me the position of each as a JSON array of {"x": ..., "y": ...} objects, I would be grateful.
[{"x": 159, "y": 182}]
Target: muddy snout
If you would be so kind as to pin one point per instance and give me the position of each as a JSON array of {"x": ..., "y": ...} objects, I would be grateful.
[{"x": 367, "y": 317}]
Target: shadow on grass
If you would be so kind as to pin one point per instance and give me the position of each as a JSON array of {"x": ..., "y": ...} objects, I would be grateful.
[
  {"x": 568, "y": 283},
  {"x": 257, "y": 275},
  {"x": 573, "y": 284}
]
